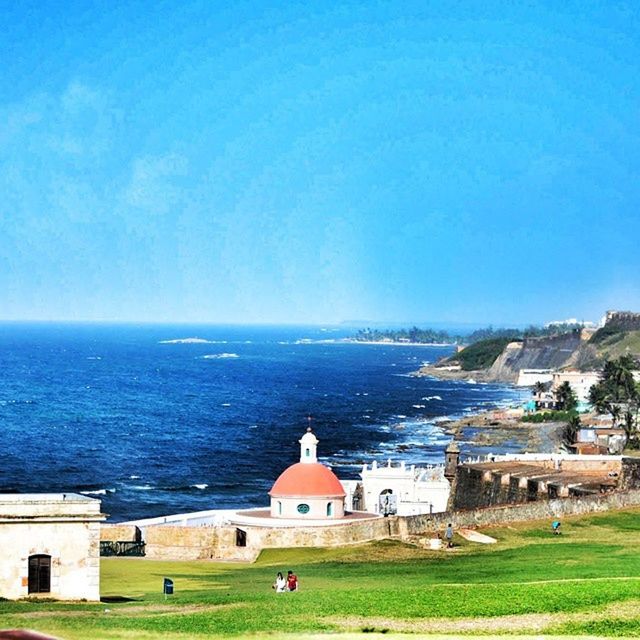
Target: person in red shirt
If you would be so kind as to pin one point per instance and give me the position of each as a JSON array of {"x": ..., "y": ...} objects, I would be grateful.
[{"x": 292, "y": 581}]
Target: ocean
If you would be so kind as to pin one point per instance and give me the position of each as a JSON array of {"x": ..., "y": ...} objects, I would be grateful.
[{"x": 153, "y": 422}]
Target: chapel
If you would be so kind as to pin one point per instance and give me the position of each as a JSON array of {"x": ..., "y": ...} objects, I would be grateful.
[{"x": 307, "y": 489}]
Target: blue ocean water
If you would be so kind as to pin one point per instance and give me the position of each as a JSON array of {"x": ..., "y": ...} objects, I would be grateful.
[{"x": 153, "y": 426}]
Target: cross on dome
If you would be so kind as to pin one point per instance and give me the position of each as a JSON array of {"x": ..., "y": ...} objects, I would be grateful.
[{"x": 308, "y": 447}]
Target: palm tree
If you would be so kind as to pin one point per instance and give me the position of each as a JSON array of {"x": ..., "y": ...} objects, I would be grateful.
[{"x": 565, "y": 397}]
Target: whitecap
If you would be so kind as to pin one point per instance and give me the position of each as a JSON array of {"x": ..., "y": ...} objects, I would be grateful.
[
  {"x": 202, "y": 486},
  {"x": 189, "y": 341},
  {"x": 143, "y": 487},
  {"x": 431, "y": 398},
  {"x": 220, "y": 356},
  {"x": 97, "y": 492},
  {"x": 418, "y": 406},
  {"x": 226, "y": 404}
]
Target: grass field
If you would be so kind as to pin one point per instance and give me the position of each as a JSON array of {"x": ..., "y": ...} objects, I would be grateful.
[{"x": 585, "y": 582}]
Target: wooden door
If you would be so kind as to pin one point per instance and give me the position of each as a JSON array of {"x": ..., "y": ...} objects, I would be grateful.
[{"x": 39, "y": 574}]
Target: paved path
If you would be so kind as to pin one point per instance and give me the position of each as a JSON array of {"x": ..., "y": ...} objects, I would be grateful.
[{"x": 474, "y": 536}]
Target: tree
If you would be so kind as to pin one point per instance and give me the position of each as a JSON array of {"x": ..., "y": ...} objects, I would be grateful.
[
  {"x": 570, "y": 431},
  {"x": 565, "y": 397},
  {"x": 618, "y": 394}
]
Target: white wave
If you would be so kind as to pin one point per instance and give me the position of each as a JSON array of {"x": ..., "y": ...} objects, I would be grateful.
[
  {"x": 143, "y": 487},
  {"x": 220, "y": 356},
  {"x": 134, "y": 477},
  {"x": 431, "y": 398},
  {"x": 97, "y": 492},
  {"x": 191, "y": 341},
  {"x": 226, "y": 404},
  {"x": 94, "y": 357},
  {"x": 202, "y": 486},
  {"x": 401, "y": 416},
  {"x": 418, "y": 406}
]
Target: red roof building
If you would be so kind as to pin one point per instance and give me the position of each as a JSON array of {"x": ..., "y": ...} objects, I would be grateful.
[{"x": 307, "y": 489}]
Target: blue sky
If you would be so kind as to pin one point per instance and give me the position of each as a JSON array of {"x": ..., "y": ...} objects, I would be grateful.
[{"x": 319, "y": 162}]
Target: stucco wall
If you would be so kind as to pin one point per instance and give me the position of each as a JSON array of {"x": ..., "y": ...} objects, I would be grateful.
[
  {"x": 74, "y": 548},
  {"x": 288, "y": 508}
]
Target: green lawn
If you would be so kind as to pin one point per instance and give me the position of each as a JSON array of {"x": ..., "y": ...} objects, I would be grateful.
[{"x": 586, "y": 581}]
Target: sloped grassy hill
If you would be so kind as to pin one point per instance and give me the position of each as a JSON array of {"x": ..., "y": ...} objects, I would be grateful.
[
  {"x": 586, "y": 581},
  {"x": 610, "y": 342}
]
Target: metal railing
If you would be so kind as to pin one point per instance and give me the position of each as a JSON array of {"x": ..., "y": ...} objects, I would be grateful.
[{"x": 121, "y": 548}]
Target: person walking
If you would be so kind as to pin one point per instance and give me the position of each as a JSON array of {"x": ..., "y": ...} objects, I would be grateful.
[
  {"x": 292, "y": 581},
  {"x": 448, "y": 535},
  {"x": 280, "y": 585}
]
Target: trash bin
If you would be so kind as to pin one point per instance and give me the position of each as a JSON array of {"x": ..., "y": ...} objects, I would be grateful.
[{"x": 167, "y": 588}]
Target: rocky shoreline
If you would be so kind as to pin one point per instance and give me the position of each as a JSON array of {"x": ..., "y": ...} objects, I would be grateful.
[
  {"x": 479, "y": 433},
  {"x": 445, "y": 373}
]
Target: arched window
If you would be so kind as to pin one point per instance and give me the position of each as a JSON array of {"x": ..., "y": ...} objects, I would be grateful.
[
  {"x": 307, "y": 453},
  {"x": 279, "y": 508},
  {"x": 39, "y": 574},
  {"x": 329, "y": 509}
]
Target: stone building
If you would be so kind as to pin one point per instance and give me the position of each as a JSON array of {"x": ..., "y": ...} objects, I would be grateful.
[{"x": 50, "y": 546}]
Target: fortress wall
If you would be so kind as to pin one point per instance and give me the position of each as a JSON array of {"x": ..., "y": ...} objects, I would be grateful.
[
  {"x": 335, "y": 536},
  {"x": 219, "y": 543},
  {"x": 194, "y": 543},
  {"x": 540, "y": 510},
  {"x": 118, "y": 532}
]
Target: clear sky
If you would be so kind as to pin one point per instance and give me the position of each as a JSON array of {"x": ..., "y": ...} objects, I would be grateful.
[{"x": 319, "y": 162}]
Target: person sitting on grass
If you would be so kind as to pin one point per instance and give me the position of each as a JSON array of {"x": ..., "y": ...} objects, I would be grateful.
[
  {"x": 280, "y": 585},
  {"x": 292, "y": 581},
  {"x": 555, "y": 526}
]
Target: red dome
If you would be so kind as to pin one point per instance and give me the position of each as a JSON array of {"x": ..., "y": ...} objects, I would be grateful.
[{"x": 307, "y": 479}]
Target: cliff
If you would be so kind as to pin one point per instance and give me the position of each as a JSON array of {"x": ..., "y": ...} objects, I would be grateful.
[{"x": 553, "y": 352}]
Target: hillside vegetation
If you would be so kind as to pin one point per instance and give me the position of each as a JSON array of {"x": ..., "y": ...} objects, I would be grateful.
[
  {"x": 586, "y": 581},
  {"x": 482, "y": 354},
  {"x": 612, "y": 343}
]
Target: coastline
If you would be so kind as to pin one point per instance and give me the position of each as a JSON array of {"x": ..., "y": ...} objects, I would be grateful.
[
  {"x": 442, "y": 373},
  {"x": 391, "y": 343},
  {"x": 497, "y": 429}
]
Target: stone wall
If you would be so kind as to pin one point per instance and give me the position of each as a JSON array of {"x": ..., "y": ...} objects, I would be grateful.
[
  {"x": 74, "y": 549},
  {"x": 195, "y": 543},
  {"x": 478, "y": 486},
  {"x": 623, "y": 320},
  {"x": 424, "y": 524},
  {"x": 630, "y": 474},
  {"x": 220, "y": 543},
  {"x": 119, "y": 532}
]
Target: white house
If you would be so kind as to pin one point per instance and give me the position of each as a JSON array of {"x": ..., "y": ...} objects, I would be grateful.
[
  {"x": 50, "y": 546},
  {"x": 580, "y": 381}
]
